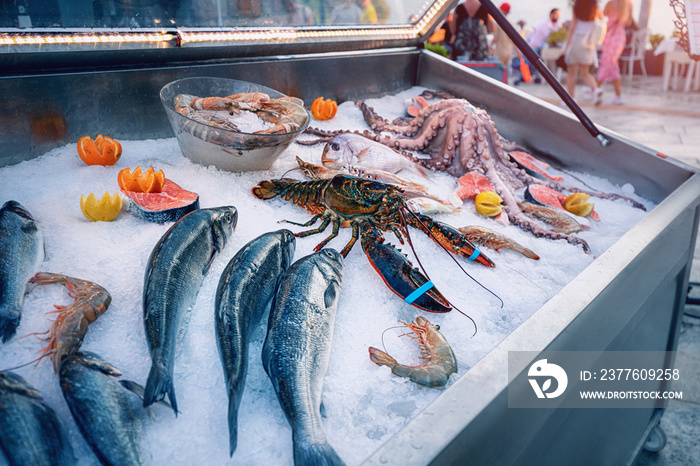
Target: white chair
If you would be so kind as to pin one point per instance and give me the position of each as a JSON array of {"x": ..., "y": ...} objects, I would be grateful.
[
  {"x": 637, "y": 48},
  {"x": 693, "y": 72}
]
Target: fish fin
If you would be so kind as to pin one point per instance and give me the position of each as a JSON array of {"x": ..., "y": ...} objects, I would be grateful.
[
  {"x": 362, "y": 154},
  {"x": 322, "y": 409},
  {"x": 159, "y": 384},
  {"x": 8, "y": 325},
  {"x": 380, "y": 358},
  {"x": 419, "y": 170},
  {"x": 96, "y": 362},
  {"x": 232, "y": 425},
  {"x": 331, "y": 294},
  {"x": 138, "y": 390},
  {"x": 315, "y": 454}
]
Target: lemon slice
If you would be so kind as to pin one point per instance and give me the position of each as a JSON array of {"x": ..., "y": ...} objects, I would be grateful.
[
  {"x": 577, "y": 205},
  {"x": 488, "y": 203},
  {"x": 104, "y": 210}
]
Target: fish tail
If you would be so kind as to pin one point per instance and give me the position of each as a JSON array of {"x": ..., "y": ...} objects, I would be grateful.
[
  {"x": 159, "y": 384},
  {"x": 9, "y": 321},
  {"x": 232, "y": 424},
  {"x": 380, "y": 358},
  {"x": 315, "y": 454}
]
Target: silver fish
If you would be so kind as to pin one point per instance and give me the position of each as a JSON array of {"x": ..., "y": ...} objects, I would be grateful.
[
  {"x": 297, "y": 349},
  {"x": 174, "y": 274},
  {"x": 21, "y": 253},
  {"x": 355, "y": 150},
  {"x": 29, "y": 429},
  {"x": 245, "y": 291},
  {"x": 108, "y": 411}
]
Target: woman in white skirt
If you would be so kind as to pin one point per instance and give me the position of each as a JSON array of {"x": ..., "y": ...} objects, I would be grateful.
[{"x": 578, "y": 54}]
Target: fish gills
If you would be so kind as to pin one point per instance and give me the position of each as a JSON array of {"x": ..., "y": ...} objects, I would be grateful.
[
  {"x": 297, "y": 349},
  {"x": 174, "y": 274},
  {"x": 21, "y": 253},
  {"x": 107, "y": 414},
  {"x": 245, "y": 291},
  {"x": 29, "y": 429}
]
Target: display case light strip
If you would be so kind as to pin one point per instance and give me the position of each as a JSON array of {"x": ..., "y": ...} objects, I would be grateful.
[
  {"x": 84, "y": 39},
  {"x": 293, "y": 34},
  {"x": 231, "y": 35},
  {"x": 289, "y": 34}
]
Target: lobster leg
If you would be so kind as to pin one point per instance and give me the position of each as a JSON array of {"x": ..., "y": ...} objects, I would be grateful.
[
  {"x": 306, "y": 224},
  {"x": 336, "y": 229},
  {"x": 449, "y": 237},
  {"x": 399, "y": 275},
  {"x": 320, "y": 228},
  {"x": 355, "y": 235}
]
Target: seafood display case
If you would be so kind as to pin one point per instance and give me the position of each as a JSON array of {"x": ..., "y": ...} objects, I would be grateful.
[{"x": 61, "y": 83}]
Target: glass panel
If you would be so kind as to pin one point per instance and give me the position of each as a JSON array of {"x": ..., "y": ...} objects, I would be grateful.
[{"x": 207, "y": 13}]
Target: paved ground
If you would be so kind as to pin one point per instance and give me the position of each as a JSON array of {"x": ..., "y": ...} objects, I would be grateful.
[{"x": 668, "y": 122}]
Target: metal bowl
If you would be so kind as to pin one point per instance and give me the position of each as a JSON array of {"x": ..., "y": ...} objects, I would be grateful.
[{"x": 225, "y": 149}]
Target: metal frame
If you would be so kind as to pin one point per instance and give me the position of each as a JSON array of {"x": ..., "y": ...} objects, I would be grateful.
[{"x": 616, "y": 303}]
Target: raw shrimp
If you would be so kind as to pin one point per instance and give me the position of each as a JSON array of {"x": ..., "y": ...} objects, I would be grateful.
[
  {"x": 68, "y": 330},
  {"x": 440, "y": 361}
]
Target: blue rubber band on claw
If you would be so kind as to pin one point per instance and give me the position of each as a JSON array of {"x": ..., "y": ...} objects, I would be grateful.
[
  {"x": 419, "y": 292},
  {"x": 474, "y": 255}
]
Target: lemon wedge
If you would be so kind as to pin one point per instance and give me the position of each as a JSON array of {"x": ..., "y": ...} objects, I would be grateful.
[
  {"x": 488, "y": 203},
  {"x": 104, "y": 210},
  {"x": 577, "y": 204}
]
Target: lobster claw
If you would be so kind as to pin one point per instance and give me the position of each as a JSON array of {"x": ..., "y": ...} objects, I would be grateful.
[{"x": 399, "y": 275}]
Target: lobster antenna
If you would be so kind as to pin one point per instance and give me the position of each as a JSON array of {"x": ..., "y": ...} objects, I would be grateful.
[
  {"x": 526, "y": 278},
  {"x": 410, "y": 243},
  {"x": 448, "y": 252},
  {"x": 23, "y": 365}
]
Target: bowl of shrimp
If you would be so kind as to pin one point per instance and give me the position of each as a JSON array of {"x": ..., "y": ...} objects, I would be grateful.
[{"x": 230, "y": 124}]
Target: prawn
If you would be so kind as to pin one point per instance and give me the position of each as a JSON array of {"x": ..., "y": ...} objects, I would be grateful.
[
  {"x": 68, "y": 330},
  {"x": 440, "y": 360}
]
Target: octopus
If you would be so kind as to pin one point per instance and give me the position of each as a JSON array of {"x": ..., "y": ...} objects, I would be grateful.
[{"x": 460, "y": 138}]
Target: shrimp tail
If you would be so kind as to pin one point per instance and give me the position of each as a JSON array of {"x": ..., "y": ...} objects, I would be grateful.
[{"x": 380, "y": 358}]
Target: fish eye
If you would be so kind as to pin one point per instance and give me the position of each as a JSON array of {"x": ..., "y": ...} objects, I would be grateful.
[
  {"x": 437, "y": 327},
  {"x": 335, "y": 146}
]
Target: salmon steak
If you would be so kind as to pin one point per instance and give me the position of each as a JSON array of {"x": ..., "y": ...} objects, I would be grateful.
[{"x": 169, "y": 205}]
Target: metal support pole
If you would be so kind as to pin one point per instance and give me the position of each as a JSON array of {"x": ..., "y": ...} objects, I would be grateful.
[{"x": 535, "y": 59}]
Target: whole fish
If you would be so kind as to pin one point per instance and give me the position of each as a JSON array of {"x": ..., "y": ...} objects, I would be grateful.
[
  {"x": 297, "y": 349},
  {"x": 30, "y": 433},
  {"x": 244, "y": 294},
  {"x": 108, "y": 411},
  {"x": 355, "y": 150},
  {"x": 174, "y": 274},
  {"x": 21, "y": 253}
]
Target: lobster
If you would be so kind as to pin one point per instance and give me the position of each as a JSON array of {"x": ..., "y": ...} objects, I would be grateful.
[{"x": 370, "y": 207}]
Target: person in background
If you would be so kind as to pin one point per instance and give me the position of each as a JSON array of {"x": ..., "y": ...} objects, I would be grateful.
[
  {"x": 619, "y": 13},
  {"x": 369, "y": 13},
  {"x": 578, "y": 55},
  {"x": 539, "y": 36},
  {"x": 299, "y": 15},
  {"x": 346, "y": 13},
  {"x": 502, "y": 47},
  {"x": 469, "y": 28}
]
